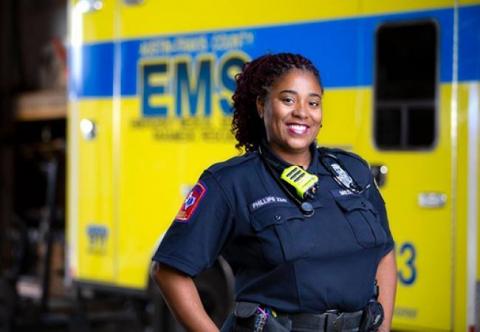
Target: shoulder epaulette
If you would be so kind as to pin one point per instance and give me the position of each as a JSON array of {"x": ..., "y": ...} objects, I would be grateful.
[
  {"x": 338, "y": 151},
  {"x": 232, "y": 162}
]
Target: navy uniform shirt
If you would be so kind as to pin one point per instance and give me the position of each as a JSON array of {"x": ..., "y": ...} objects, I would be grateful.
[{"x": 280, "y": 257}]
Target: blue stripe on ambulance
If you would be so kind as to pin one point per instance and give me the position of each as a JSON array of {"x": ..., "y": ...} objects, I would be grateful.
[{"x": 343, "y": 50}]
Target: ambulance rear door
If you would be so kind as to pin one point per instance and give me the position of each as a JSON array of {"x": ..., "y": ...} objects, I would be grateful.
[{"x": 406, "y": 137}]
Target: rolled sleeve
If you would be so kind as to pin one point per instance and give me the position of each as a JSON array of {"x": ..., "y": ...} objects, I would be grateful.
[{"x": 199, "y": 231}]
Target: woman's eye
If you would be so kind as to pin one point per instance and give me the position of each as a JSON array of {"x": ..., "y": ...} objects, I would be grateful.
[
  {"x": 314, "y": 103},
  {"x": 288, "y": 100}
]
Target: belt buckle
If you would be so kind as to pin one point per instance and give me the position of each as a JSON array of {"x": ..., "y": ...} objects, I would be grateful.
[
  {"x": 334, "y": 321},
  {"x": 339, "y": 322}
]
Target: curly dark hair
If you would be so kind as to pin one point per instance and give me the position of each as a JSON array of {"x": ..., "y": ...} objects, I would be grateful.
[{"x": 252, "y": 83}]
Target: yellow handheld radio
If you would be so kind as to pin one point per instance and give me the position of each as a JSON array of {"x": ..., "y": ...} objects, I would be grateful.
[{"x": 303, "y": 182}]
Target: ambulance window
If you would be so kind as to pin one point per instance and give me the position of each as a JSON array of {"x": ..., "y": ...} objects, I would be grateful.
[{"x": 405, "y": 86}]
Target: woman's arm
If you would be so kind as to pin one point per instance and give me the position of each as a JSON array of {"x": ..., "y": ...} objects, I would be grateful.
[
  {"x": 387, "y": 282},
  {"x": 182, "y": 297}
]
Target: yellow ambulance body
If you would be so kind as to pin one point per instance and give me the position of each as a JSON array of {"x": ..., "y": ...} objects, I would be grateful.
[{"x": 150, "y": 87}]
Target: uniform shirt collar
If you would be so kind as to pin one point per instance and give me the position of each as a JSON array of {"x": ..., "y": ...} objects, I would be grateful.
[{"x": 279, "y": 164}]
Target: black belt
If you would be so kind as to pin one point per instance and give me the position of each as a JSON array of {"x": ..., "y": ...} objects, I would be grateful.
[
  {"x": 331, "y": 321},
  {"x": 254, "y": 317}
]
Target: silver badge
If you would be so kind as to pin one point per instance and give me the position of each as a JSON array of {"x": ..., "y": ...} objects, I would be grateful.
[{"x": 343, "y": 176}]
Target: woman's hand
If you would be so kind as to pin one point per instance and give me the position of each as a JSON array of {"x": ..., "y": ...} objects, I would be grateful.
[
  {"x": 387, "y": 282},
  {"x": 182, "y": 297}
]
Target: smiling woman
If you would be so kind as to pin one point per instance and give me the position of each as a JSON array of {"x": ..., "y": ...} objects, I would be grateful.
[
  {"x": 292, "y": 114},
  {"x": 304, "y": 228}
]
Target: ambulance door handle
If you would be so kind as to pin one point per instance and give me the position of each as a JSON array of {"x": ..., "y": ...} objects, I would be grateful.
[
  {"x": 88, "y": 128},
  {"x": 379, "y": 173},
  {"x": 432, "y": 200},
  {"x": 133, "y": 2}
]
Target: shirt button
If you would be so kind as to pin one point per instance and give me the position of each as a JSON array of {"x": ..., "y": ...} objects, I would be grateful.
[{"x": 277, "y": 217}]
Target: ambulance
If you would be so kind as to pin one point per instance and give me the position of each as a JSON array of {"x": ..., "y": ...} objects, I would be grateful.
[{"x": 150, "y": 108}]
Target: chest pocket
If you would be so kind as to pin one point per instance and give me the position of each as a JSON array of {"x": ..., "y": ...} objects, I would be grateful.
[
  {"x": 283, "y": 232},
  {"x": 363, "y": 220}
]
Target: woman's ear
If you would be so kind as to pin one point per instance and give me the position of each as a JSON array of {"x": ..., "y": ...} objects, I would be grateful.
[{"x": 260, "y": 107}]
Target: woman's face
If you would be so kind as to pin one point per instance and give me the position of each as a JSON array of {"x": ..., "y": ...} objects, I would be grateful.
[{"x": 292, "y": 112}]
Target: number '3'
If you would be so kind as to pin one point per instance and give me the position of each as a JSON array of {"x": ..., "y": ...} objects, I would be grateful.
[{"x": 407, "y": 272}]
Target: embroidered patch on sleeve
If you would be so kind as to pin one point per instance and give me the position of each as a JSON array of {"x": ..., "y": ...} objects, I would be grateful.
[{"x": 191, "y": 202}]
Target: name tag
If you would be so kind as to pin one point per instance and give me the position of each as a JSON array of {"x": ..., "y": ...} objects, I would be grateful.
[
  {"x": 341, "y": 192},
  {"x": 267, "y": 200}
]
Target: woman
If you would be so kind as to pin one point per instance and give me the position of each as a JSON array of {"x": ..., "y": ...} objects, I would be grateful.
[{"x": 303, "y": 228}]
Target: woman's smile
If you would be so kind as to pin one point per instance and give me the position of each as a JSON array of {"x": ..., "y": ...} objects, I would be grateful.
[{"x": 297, "y": 129}]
